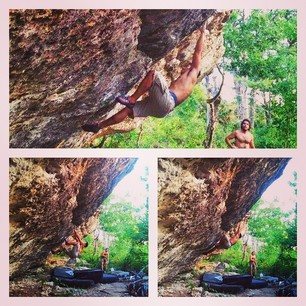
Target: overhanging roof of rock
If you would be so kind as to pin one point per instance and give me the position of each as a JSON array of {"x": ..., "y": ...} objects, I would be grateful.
[
  {"x": 67, "y": 66},
  {"x": 202, "y": 199},
  {"x": 50, "y": 197}
]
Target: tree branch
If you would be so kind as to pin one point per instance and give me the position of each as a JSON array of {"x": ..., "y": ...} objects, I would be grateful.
[{"x": 212, "y": 100}]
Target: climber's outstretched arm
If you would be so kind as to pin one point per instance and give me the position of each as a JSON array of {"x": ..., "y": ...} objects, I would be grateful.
[{"x": 197, "y": 55}]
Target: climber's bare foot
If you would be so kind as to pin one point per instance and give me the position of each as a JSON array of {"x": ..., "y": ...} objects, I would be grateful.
[{"x": 91, "y": 127}]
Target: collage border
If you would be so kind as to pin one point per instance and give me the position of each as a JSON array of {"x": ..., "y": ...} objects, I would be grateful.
[{"x": 151, "y": 156}]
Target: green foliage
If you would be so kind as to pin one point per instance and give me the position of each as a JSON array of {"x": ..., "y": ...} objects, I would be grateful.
[
  {"x": 277, "y": 231},
  {"x": 183, "y": 128},
  {"x": 234, "y": 257},
  {"x": 262, "y": 50},
  {"x": 90, "y": 254},
  {"x": 228, "y": 122},
  {"x": 130, "y": 227},
  {"x": 278, "y": 256}
]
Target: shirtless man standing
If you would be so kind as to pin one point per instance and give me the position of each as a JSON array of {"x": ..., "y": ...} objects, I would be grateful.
[
  {"x": 104, "y": 259},
  {"x": 243, "y": 138},
  {"x": 161, "y": 99},
  {"x": 253, "y": 264}
]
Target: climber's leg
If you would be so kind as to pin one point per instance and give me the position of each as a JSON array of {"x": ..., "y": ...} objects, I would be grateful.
[
  {"x": 142, "y": 88},
  {"x": 117, "y": 118}
]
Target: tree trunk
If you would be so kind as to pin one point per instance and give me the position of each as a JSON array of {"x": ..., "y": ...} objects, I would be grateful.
[
  {"x": 252, "y": 104},
  {"x": 212, "y": 111},
  {"x": 241, "y": 97},
  {"x": 139, "y": 136},
  {"x": 267, "y": 106}
]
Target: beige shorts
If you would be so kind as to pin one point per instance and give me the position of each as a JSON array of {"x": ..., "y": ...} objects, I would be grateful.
[{"x": 159, "y": 102}]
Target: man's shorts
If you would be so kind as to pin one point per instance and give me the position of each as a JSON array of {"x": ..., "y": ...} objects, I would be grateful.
[{"x": 159, "y": 103}]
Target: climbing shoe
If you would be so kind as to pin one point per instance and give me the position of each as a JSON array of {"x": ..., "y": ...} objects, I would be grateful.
[
  {"x": 125, "y": 101},
  {"x": 93, "y": 127}
]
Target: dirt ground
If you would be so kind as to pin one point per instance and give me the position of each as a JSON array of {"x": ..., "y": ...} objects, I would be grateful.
[
  {"x": 188, "y": 285},
  {"x": 114, "y": 289},
  {"x": 32, "y": 286},
  {"x": 39, "y": 283},
  {"x": 182, "y": 288}
]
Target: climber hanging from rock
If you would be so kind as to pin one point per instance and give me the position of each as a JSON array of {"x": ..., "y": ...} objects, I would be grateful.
[
  {"x": 227, "y": 241},
  {"x": 161, "y": 99},
  {"x": 243, "y": 139},
  {"x": 73, "y": 246}
]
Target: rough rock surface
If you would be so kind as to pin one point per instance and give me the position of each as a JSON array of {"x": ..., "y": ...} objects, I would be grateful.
[
  {"x": 51, "y": 197},
  {"x": 201, "y": 200},
  {"x": 67, "y": 66}
]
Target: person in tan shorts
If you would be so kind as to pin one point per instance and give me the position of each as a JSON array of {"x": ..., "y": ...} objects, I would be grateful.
[
  {"x": 252, "y": 264},
  {"x": 161, "y": 99},
  {"x": 104, "y": 259}
]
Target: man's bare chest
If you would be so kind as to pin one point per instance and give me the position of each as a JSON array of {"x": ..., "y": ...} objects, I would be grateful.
[{"x": 243, "y": 138}]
